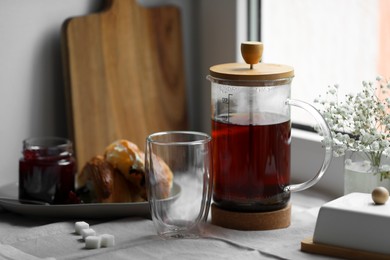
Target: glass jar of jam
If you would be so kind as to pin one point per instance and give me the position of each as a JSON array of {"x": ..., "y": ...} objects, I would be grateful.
[{"x": 47, "y": 170}]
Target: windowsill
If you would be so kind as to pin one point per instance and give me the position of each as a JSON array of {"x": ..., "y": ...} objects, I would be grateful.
[
  {"x": 305, "y": 135},
  {"x": 306, "y": 159}
]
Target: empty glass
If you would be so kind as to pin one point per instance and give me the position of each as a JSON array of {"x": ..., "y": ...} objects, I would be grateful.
[{"x": 185, "y": 156}]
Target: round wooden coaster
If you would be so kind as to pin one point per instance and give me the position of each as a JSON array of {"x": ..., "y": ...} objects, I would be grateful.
[{"x": 251, "y": 220}]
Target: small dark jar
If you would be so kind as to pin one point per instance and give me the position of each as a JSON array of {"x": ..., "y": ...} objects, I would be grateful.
[{"x": 47, "y": 170}]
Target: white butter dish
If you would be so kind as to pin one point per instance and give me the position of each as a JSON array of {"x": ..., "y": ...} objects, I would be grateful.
[{"x": 354, "y": 222}]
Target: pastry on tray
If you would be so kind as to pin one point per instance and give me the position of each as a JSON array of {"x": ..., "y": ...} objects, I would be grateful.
[{"x": 118, "y": 175}]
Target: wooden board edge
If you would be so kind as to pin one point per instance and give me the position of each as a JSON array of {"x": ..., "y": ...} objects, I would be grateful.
[
  {"x": 66, "y": 73},
  {"x": 308, "y": 246},
  {"x": 66, "y": 79}
]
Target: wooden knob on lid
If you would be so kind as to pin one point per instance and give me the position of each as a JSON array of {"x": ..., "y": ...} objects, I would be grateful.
[{"x": 252, "y": 52}]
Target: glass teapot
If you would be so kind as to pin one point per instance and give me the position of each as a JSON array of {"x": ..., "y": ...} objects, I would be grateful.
[{"x": 251, "y": 130}]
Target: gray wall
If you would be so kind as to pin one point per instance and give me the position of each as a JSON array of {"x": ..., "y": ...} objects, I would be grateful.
[{"x": 31, "y": 83}]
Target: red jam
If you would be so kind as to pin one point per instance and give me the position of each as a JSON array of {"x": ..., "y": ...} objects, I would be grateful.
[{"x": 47, "y": 170}]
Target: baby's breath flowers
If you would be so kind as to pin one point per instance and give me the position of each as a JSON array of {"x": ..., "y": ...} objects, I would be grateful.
[{"x": 361, "y": 122}]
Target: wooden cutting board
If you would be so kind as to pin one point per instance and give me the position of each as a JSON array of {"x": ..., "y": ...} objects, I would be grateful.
[{"x": 124, "y": 74}]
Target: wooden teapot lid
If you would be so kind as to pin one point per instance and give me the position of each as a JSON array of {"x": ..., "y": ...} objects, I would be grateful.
[{"x": 252, "y": 53}]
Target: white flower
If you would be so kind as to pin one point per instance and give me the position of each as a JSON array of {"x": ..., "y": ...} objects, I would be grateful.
[
  {"x": 361, "y": 122},
  {"x": 386, "y": 152},
  {"x": 384, "y": 143},
  {"x": 375, "y": 146},
  {"x": 327, "y": 141}
]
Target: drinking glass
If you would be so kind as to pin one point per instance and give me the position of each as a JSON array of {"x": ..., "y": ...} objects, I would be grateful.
[{"x": 187, "y": 155}]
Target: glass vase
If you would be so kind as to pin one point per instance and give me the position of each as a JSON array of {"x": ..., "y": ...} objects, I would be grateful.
[{"x": 361, "y": 175}]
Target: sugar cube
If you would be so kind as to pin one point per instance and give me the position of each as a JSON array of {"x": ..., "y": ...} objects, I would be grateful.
[
  {"x": 107, "y": 240},
  {"x": 80, "y": 226},
  {"x": 88, "y": 232},
  {"x": 92, "y": 242}
]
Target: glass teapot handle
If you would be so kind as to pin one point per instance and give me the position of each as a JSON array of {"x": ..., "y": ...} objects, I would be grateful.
[{"x": 327, "y": 145}]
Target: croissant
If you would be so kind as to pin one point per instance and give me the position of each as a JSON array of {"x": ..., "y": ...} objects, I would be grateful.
[
  {"x": 105, "y": 184},
  {"x": 119, "y": 175},
  {"x": 128, "y": 159}
]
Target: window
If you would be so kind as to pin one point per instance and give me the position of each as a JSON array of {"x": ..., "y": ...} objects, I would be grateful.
[{"x": 327, "y": 42}]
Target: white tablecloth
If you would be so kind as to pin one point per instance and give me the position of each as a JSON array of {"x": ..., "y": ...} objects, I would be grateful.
[{"x": 22, "y": 237}]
